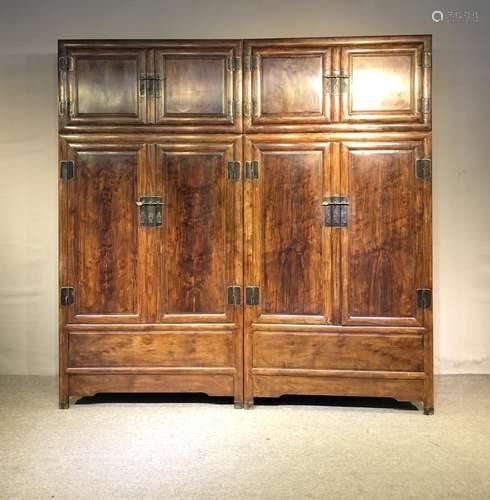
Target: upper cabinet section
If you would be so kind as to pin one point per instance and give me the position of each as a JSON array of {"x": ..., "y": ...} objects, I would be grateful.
[
  {"x": 200, "y": 87},
  {"x": 286, "y": 86},
  {"x": 289, "y": 85},
  {"x": 100, "y": 86},
  {"x": 327, "y": 84},
  {"x": 168, "y": 86}
]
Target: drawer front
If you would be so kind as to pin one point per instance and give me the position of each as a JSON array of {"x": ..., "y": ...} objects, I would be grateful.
[
  {"x": 156, "y": 349},
  {"x": 333, "y": 351}
]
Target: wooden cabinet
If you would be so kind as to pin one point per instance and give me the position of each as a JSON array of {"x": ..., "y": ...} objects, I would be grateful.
[{"x": 278, "y": 243}]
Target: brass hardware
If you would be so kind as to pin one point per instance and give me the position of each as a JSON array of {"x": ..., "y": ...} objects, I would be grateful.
[
  {"x": 426, "y": 105},
  {"x": 234, "y": 295},
  {"x": 425, "y": 59},
  {"x": 233, "y": 63},
  {"x": 423, "y": 169},
  {"x": 149, "y": 85},
  {"x": 252, "y": 170},
  {"x": 337, "y": 82},
  {"x": 252, "y": 63},
  {"x": 67, "y": 296},
  {"x": 66, "y": 63},
  {"x": 65, "y": 108},
  {"x": 67, "y": 169},
  {"x": 424, "y": 298},
  {"x": 142, "y": 84},
  {"x": 151, "y": 211},
  {"x": 253, "y": 295},
  {"x": 234, "y": 171},
  {"x": 336, "y": 208}
]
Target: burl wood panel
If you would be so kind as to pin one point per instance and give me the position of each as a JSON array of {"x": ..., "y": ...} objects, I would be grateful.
[
  {"x": 195, "y": 250},
  {"x": 382, "y": 233},
  {"x": 382, "y": 82},
  {"x": 194, "y": 85},
  {"x": 339, "y": 351},
  {"x": 185, "y": 349},
  {"x": 292, "y": 232},
  {"x": 107, "y": 85},
  {"x": 291, "y": 85},
  {"x": 107, "y": 232}
]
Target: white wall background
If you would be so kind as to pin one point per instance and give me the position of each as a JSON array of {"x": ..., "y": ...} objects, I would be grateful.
[{"x": 29, "y": 30}]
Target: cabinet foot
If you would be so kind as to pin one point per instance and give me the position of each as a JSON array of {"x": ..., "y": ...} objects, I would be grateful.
[
  {"x": 428, "y": 411},
  {"x": 64, "y": 403},
  {"x": 248, "y": 405},
  {"x": 238, "y": 405}
]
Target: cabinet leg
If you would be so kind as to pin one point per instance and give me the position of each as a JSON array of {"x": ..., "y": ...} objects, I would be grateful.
[
  {"x": 238, "y": 405},
  {"x": 64, "y": 403},
  {"x": 428, "y": 410},
  {"x": 248, "y": 405}
]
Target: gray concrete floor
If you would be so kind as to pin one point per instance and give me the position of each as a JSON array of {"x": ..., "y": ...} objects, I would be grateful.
[{"x": 191, "y": 447}]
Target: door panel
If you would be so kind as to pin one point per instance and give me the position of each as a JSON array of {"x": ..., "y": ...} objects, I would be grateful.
[
  {"x": 385, "y": 83},
  {"x": 201, "y": 88},
  {"x": 103, "y": 87},
  {"x": 102, "y": 226},
  {"x": 382, "y": 247},
  {"x": 285, "y": 87},
  {"x": 285, "y": 237},
  {"x": 201, "y": 238}
]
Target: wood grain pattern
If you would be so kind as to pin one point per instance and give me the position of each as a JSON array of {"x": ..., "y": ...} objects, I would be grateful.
[
  {"x": 213, "y": 385},
  {"x": 196, "y": 232},
  {"x": 182, "y": 349},
  {"x": 107, "y": 232},
  {"x": 337, "y": 312},
  {"x": 292, "y": 231},
  {"x": 339, "y": 351}
]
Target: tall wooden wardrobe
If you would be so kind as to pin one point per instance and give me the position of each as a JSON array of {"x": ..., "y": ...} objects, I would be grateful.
[{"x": 246, "y": 218}]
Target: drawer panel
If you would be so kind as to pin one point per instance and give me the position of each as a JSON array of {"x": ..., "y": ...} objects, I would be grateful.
[
  {"x": 331, "y": 351},
  {"x": 112, "y": 349}
]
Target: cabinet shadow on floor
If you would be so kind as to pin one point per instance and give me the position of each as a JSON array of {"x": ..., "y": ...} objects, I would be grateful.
[{"x": 287, "y": 400}]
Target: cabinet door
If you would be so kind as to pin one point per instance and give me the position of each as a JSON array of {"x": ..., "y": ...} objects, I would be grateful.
[
  {"x": 102, "y": 247},
  {"x": 102, "y": 87},
  {"x": 385, "y": 248},
  {"x": 201, "y": 234},
  {"x": 286, "y": 244},
  {"x": 285, "y": 88},
  {"x": 383, "y": 83},
  {"x": 200, "y": 86}
]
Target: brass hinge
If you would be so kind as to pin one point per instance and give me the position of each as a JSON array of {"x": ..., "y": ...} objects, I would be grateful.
[
  {"x": 67, "y": 295},
  {"x": 252, "y": 170},
  {"x": 233, "y": 63},
  {"x": 234, "y": 171},
  {"x": 252, "y": 63},
  {"x": 67, "y": 169},
  {"x": 423, "y": 169},
  {"x": 337, "y": 82},
  {"x": 66, "y": 63},
  {"x": 234, "y": 295},
  {"x": 151, "y": 211},
  {"x": 425, "y": 59},
  {"x": 150, "y": 85},
  {"x": 336, "y": 208},
  {"x": 426, "y": 105},
  {"x": 65, "y": 108},
  {"x": 424, "y": 298},
  {"x": 253, "y": 295}
]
